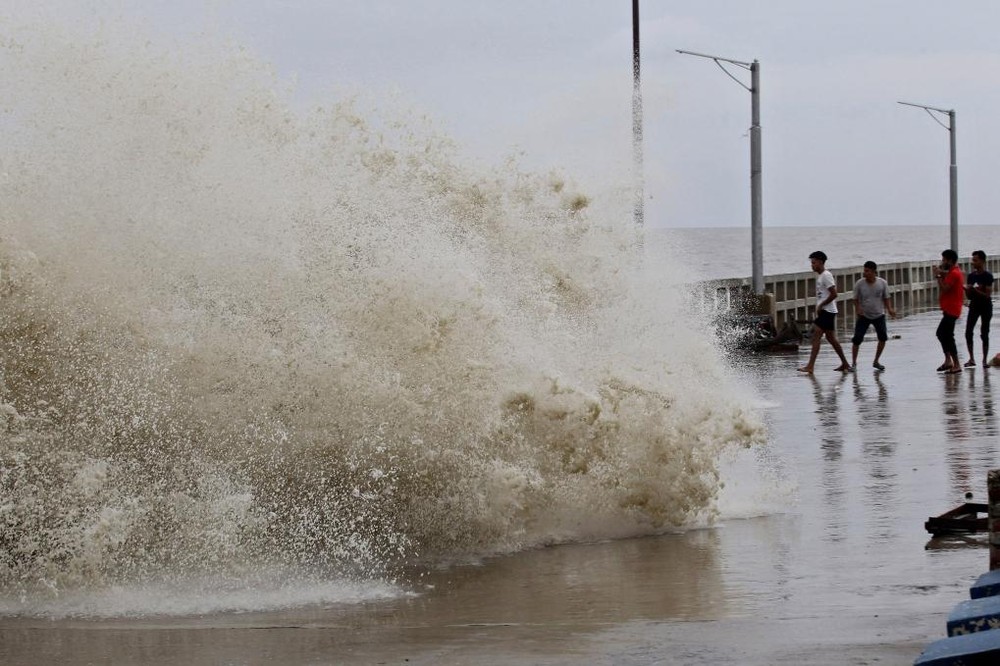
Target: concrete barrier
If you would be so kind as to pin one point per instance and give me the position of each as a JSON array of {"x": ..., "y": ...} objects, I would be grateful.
[
  {"x": 974, "y": 615},
  {"x": 987, "y": 585},
  {"x": 911, "y": 285},
  {"x": 993, "y": 516},
  {"x": 979, "y": 649}
]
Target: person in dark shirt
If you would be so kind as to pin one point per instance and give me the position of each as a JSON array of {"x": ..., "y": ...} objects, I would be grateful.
[{"x": 979, "y": 290}]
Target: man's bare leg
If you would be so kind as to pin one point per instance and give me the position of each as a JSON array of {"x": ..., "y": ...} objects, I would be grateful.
[
  {"x": 817, "y": 339},
  {"x": 878, "y": 351},
  {"x": 831, "y": 336}
]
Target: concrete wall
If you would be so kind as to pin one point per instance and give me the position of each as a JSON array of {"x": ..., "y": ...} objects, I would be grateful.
[{"x": 911, "y": 285}]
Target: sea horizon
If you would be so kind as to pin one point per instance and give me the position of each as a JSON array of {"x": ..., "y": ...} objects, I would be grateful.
[{"x": 724, "y": 252}]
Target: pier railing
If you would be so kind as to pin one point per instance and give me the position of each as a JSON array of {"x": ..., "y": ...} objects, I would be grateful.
[{"x": 912, "y": 288}]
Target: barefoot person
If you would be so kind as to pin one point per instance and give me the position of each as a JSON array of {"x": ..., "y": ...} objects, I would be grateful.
[
  {"x": 826, "y": 314},
  {"x": 979, "y": 289},
  {"x": 871, "y": 302},
  {"x": 950, "y": 283}
]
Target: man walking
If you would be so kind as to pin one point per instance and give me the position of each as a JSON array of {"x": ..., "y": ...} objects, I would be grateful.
[
  {"x": 871, "y": 302},
  {"x": 979, "y": 289},
  {"x": 826, "y": 314},
  {"x": 950, "y": 283}
]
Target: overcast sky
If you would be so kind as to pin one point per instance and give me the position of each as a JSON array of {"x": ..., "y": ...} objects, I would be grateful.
[{"x": 552, "y": 79}]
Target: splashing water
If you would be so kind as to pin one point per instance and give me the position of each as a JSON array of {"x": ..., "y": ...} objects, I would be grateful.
[{"x": 237, "y": 339}]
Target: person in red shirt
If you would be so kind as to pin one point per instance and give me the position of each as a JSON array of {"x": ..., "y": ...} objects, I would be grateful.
[{"x": 951, "y": 284}]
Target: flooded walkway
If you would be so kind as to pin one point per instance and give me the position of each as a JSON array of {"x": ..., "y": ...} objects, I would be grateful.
[{"x": 821, "y": 556}]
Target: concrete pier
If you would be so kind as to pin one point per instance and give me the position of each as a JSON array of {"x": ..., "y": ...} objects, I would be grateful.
[{"x": 911, "y": 284}]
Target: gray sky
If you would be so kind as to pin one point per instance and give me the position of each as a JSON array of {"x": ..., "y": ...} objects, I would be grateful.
[{"x": 552, "y": 79}]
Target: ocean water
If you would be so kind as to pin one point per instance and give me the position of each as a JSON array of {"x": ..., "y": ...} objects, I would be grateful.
[
  {"x": 725, "y": 252},
  {"x": 245, "y": 347}
]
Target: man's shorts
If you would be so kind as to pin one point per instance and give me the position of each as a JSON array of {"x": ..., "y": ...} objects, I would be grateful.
[
  {"x": 826, "y": 320},
  {"x": 861, "y": 327}
]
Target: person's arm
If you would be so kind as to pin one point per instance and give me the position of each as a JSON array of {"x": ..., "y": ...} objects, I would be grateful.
[
  {"x": 984, "y": 290},
  {"x": 979, "y": 290},
  {"x": 887, "y": 299},
  {"x": 939, "y": 276},
  {"x": 829, "y": 299},
  {"x": 888, "y": 307},
  {"x": 947, "y": 280}
]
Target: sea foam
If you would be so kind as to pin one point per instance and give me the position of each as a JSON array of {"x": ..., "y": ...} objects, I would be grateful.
[{"x": 238, "y": 337}]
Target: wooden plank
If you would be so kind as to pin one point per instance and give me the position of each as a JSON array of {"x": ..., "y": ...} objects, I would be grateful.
[{"x": 964, "y": 518}]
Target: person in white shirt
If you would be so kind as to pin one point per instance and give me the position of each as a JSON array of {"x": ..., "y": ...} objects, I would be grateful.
[
  {"x": 826, "y": 314},
  {"x": 871, "y": 302}
]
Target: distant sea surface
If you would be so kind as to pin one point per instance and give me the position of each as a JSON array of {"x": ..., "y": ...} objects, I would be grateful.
[{"x": 725, "y": 252}]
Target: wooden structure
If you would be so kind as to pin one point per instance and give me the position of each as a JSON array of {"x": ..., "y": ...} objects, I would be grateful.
[
  {"x": 973, "y": 626},
  {"x": 962, "y": 519}
]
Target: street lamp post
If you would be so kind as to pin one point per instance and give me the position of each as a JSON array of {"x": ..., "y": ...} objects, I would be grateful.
[
  {"x": 637, "y": 167},
  {"x": 756, "y": 196},
  {"x": 952, "y": 169}
]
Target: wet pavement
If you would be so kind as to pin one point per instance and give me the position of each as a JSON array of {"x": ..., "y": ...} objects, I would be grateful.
[{"x": 821, "y": 556}]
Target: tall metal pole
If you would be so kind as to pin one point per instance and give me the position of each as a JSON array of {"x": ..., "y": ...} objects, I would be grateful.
[
  {"x": 756, "y": 169},
  {"x": 638, "y": 179},
  {"x": 952, "y": 169},
  {"x": 756, "y": 199},
  {"x": 953, "y": 182}
]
